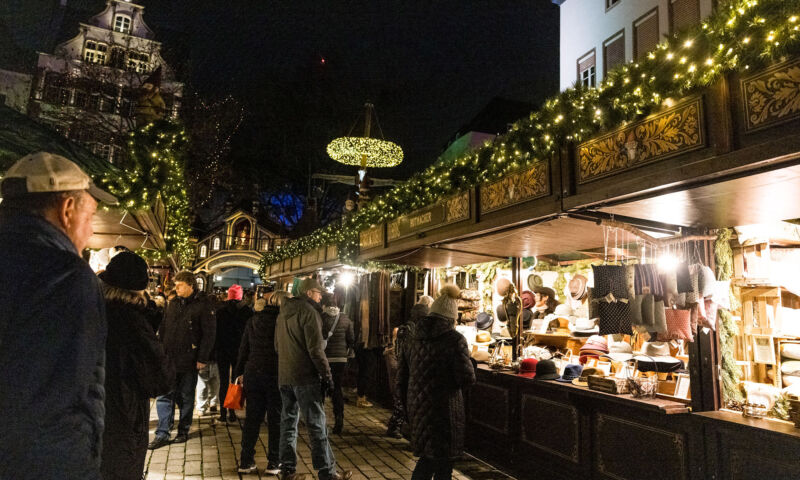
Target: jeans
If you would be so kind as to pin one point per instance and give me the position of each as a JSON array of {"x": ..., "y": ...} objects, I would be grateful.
[
  {"x": 433, "y": 468},
  {"x": 337, "y": 370},
  {"x": 182, "y": 394},
  {"x": 263, "y": 397},
  {"x": 305, "y": 400},
  {"x": 208, "y": 387},
  {"x": 225, "y": 365}
]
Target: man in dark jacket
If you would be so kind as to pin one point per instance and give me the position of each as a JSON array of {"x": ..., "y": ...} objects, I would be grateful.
[
  {"x": 187, "y": 333},
  {"x": 433, "y": 370},
  {"x": 301, "y": 366},
  {"x": 231, "y": 320},
  {"x": 52, "y": 323}
]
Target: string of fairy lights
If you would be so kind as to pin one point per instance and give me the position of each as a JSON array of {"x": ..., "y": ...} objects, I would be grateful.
[{"x": 739, "y": 36}]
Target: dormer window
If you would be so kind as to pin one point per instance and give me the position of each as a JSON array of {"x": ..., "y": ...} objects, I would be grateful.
[
  {"x": 215, "y": 245},
  {"x": 122, "y": 24},
  {"x": 95, "y": 52},
  {"x": 203, "y": 251}
]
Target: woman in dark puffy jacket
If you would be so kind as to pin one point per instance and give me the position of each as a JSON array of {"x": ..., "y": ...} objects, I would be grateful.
[
  {"x": 259, "y": 362},
  {"x": 136, "y": 368},
  {"x": 338, "y": 331},
  {"x": 433, "y": 370}
]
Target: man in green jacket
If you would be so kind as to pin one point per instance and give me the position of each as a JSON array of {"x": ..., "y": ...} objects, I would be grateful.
[{"x": 302, "y": 365}]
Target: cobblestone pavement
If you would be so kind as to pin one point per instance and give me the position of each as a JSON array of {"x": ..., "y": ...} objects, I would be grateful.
[{"x": 212, "y": 452}]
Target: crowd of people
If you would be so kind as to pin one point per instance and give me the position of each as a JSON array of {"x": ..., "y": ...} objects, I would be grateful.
[{"x": 81, "y": 355}]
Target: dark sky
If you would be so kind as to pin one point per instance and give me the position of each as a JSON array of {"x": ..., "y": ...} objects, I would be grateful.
[{"x": 428, "y": 66}]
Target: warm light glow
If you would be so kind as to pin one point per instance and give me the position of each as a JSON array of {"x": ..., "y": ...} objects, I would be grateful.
[
  {"x": 667, "y": 262},
  {"x": 373, "y": 151},
  {"x": 346, "y": 279}
]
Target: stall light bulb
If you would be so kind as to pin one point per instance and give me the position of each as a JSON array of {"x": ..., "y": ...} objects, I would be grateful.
[
  {"x": 667, "y": 262},
  {"x": 346, "y": 279}
]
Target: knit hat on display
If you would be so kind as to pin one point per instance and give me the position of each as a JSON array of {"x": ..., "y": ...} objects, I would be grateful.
[
  {"x": 127, "y": 271},
  {"x": 235, "y": 292},
  {"x": 446, "y": 304}
]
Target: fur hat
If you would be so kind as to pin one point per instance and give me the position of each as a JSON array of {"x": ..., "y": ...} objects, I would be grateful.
[
  {"x": 235, "y": 292},
  {"x": 446, "y": 304},
  {"x": 127, "y": 271}
]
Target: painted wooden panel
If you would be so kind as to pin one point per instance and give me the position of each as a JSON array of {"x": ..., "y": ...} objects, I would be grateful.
[
  {"x": 444, "y": 212},
  {"x": 551, "y": 427},
  {"x": 772, "y": 96},
  {"x": 516, "y": 188}
]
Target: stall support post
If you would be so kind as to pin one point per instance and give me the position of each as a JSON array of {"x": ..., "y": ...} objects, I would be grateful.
[{"x": 516, "y": 278}]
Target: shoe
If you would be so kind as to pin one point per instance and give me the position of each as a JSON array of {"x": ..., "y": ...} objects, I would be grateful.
[
  {"x": 248, "y": 468},
  {"x": 180, "y": 438},
  {"x": 213, "y": 409},
  {"x": 158, "y": 442},
  {"x": 394, "y": 434},
  {"x": 292, "y": 476},
  {"x": 222, "y": 418},
  {"x": 272, "y": 469},
  {"x": 363, "y": 402},
  {"x": 232, "y": 416},
  {"x": 343, "y": 475}
]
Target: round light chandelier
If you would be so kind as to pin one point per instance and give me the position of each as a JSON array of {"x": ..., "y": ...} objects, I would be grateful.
[{"x": 365, "y": 151}]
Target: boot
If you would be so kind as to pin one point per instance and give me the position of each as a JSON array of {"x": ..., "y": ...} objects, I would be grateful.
[
  {"x": 363, "y": 402},
  {"x": 338, "y": 425}
]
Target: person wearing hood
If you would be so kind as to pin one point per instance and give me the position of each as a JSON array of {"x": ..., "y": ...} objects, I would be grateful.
[
  {"x": 402, "y": 338},
  {"x": 338, "y": 332},
  {"x": 136, "y": 368},
  {"x": 232, "y": 317},
  {"x": 258, "y": 361},
  {"x": 433, "y": 370}
]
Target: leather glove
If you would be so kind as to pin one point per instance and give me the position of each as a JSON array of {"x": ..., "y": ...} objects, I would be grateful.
[{"x": 327, "y": 385}]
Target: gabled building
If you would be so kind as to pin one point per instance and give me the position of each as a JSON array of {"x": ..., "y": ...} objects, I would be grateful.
[
  {"x": 598, "y": 35},
  {"x": 231, "y": 251}
]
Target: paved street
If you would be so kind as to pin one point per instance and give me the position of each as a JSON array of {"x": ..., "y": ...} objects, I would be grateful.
[{"x": 212, "y": 452}]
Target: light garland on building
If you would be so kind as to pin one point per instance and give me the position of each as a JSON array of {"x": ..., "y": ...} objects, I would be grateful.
[{"x": 744, "y": 35}]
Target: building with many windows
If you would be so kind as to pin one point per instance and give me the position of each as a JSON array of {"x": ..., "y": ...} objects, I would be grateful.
[
  {"x": 87, "y": 88},
  {"x": 598, "y": 35}
]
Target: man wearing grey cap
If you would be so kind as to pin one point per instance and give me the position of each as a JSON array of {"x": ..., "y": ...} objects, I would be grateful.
[{"x": 52, "y": 323}]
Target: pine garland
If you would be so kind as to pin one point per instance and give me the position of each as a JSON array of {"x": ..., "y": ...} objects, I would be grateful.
[{"x": 728, "y": 330}]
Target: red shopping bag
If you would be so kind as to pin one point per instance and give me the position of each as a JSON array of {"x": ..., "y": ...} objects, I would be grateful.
[{"x": 234, "y": 399}]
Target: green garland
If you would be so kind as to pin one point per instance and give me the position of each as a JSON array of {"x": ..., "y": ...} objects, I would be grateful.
[
  {"x": 156, "y": 167},
  {"x": 728, "y": 330},
  {"x": 747, "y": 34}
]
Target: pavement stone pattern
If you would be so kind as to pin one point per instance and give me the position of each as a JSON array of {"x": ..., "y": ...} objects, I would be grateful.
[{"x": 212, "y": 452}]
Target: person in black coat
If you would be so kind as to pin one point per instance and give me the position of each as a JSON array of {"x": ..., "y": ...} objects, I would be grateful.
[
  {"x": 232, "y": 318},
  {"x": 258, "y": 360},
  {"x": 433, "y": 370},
  {"x": 136, "y": 368},
  {"x": 338, "y": 332}
]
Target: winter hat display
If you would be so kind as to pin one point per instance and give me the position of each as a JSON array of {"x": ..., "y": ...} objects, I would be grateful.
[
  {"x": 527, "y": 367},
  {"x": 483, "y": 338},
  {"x": 578, "y": 287},
  {"x": 502, "y": 285},
  {"x": 127, "y": 271},
  {"x": 483, "y": 321},
  {"x": 595, "y": 345},
  {"x": 446, "y": 304},
  {"x": 528, "y": 299},
  {"x": 571, "y": 372},
  {"x": 546, "y": 370},
  {"x": 235, "y": 292}
]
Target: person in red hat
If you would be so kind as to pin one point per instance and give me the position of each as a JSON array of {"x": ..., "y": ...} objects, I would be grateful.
[{"x": 231, "y": 320}]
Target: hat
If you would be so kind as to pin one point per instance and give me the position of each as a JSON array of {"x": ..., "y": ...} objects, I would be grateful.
[
  {"x": 545, "y": 291},
  {"x": 511, "y": 309},
  {"x": 44, "y": 172},
  {"x": 571, "y": 372},
  {"x": 619, "y": 352},
  {"x": 656, "y": 349},
  {"x": 577, "y": 287},
  {"x": 534, "y": 281},
  {"x": 308, "y": 284},
  {"x": 546, "y": 370},
  {"x": 235, "y": 292},
  {"x": 483, "y": 321},
  {"x": 583, "y": 380},
  {"x": 563, "y": 310},
  {"x": 483, "y": 338},
  {"x": 446, "y": 304},
  {"x": 528, "y": 367},
  {"x": 596, "y": 344},
  {"x": 127, "y": 271},
  {"x": 528, "y": 300},
  {"x": 502, "y": 285},
  {"x": 480, "y": 355}
]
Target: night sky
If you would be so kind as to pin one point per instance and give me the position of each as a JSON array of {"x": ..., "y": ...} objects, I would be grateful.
[{"x": 303, "y": 69}]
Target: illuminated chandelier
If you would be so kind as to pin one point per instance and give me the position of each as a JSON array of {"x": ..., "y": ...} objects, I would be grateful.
[{"x": 366, "y": 151}]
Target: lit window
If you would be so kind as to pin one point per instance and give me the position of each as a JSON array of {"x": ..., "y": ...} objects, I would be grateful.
[
  {"x": 215, "y": 246},
  {"x": 138, "y": 62},
  {"x": 95, "y": 52},
  {"x": 587, "y": 75},
  {"x": 203, "y": 251},
  {"x": 265, "y": 245},
  {"x": 122, "y": 24}
]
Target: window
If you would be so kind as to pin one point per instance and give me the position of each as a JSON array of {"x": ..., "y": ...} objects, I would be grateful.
[
  {"x": 215, "y": 245},
  {"x": 587, "y": 75},
  {"x": 265, "y": 245},
  {"x": 645, "y": 34},
  {"x": 611, "y": 3},
  {"x": 683, "y": 14},
  {"x": 122, "y": 24},
  {"x": 138, "y": 62},
  {"x": 95, "y": 52},
  {"x": 203, "y": 251},
  {"x": 614, "y": 52}
]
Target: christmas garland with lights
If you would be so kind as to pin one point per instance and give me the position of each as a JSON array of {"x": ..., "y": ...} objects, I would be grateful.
[
  {"x": 156, "y": 167},
  {"x": 739, "y": 36}
]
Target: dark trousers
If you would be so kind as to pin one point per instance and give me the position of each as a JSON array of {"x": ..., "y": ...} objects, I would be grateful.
[
  {"x": 337, "y": 371},
  {"x": 366, "y": 360},
  {"x": 182, "y": 394},
  {"x": 224, "y": 365},
  {"x": 433, "y": 468},
  {"x": 263, "y": 397}
]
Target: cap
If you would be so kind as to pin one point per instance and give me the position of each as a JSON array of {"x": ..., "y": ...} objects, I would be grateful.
[
  {"x": 46, "y": 172},
  {"x": 527, "y": 367},
  {"x": 571, "y": 372},
  {"x": 308, "y": 284}
]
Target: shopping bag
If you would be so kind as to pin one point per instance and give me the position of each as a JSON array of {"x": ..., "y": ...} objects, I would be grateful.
[{"x": 234, "y": 400}]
